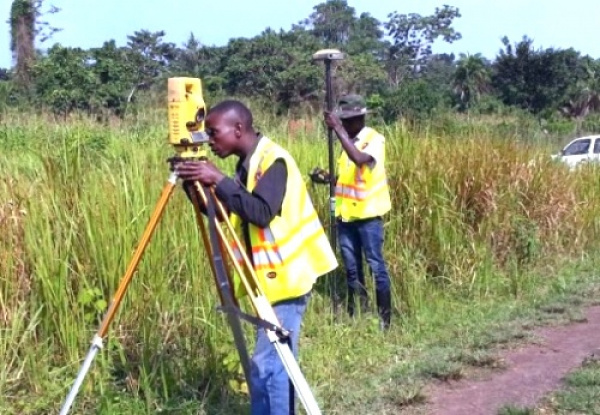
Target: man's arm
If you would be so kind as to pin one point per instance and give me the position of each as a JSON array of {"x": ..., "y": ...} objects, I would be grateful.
[
  {"x": 376, "y": 149},
  {"x": 189, "y": 189},
  {"x": 260, "y": 206},
  {"x": 358, "y": 157}
]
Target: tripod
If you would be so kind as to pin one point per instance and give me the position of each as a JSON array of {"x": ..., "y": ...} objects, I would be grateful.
[{"x": 216, "y": 243}]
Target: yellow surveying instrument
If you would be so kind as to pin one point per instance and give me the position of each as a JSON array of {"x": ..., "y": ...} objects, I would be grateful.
[
  {"x": 186, "y": 112},
  {"x": 186, "y": 134}
]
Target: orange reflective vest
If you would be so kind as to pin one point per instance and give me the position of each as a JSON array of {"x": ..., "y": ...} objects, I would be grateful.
[
  {"x": 293, "y": 251},
  {"x": 362, "y": 192}
]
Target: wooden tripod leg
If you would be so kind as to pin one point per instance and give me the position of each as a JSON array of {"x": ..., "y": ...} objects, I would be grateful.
[
  {"x": 215, "y": 242},
  {"x": 265, "y": 311},
  {"x": 137, "y": 256},
  {"x": 97, "y": 341},
  {"x": 259, "y": 301}
]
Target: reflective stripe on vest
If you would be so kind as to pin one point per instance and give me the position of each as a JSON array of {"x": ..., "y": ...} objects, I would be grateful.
[
  {"x": 293, "y": 250},
  {"x": 270, "y": 253},
  {"x": 361, "y": 192},
  {"x": 358, "y": 192}
]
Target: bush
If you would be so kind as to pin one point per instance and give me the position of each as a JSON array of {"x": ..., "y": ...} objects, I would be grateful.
[
  {"x": 592, "y": 124},
  {"x": 489, "y": 105},
  {"x": 413, "y": 100}
]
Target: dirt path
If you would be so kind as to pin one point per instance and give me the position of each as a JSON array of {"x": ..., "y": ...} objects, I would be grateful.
[{"x": 532, "y": 372}]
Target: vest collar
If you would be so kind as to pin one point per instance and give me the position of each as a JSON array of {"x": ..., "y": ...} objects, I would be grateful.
[{"x": 362, "y": 136}]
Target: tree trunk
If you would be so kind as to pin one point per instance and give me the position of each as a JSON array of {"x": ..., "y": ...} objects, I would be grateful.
[{"x": 22, "y": 21}]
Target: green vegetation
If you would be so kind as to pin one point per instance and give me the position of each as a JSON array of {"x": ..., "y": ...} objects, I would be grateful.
[
  {"x": 391, "y": 62},
  {"x": 483, "y": 229},
  {"x": 487, "y": 239},
  {"x": 581, "y": 392}
]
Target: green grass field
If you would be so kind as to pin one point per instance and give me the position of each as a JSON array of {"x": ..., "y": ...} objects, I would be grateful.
[{"x": 484, "y": 233}]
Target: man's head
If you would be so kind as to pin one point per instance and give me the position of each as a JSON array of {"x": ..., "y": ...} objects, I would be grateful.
[
  {"x": 229, "y": 128},
  {"x": 351, "y": 110}
]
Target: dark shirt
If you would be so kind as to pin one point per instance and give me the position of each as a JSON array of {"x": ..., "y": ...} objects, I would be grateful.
[{"x": 258, "y": 207}]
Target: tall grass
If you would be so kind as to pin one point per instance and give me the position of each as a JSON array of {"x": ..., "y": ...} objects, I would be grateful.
[{"x": 472, "y": 212}]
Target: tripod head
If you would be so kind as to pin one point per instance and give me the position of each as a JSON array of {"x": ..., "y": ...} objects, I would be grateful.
[{"x": 186, "y": 112}]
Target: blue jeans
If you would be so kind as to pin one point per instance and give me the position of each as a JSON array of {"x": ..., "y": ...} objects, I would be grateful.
[
  {"x": 365, "y": 236},
  {"x": 269, "y": 381}
]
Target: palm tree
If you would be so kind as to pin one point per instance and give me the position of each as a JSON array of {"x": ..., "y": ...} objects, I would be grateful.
[
  {"x": 585, "y": 100},
  {"x": 471, "y": 78}
]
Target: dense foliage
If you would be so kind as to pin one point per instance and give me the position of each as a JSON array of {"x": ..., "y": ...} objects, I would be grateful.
[{"x": 391, "y": 62}]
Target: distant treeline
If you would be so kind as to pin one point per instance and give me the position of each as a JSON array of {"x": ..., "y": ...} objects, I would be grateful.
[{"x": 391, "y": 62}]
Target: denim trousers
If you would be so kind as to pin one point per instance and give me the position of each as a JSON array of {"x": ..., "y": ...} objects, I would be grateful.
[
  {"x": 269, "y": 381},
  {"x": 358, "y": 237}
]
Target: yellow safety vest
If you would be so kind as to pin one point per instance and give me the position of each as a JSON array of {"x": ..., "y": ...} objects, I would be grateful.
[
  {"x": 362, "y": 192},
  {"x": 293, "y": 251}
]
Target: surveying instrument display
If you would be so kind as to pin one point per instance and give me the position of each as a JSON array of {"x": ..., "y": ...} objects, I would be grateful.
[{"x": 186, "y": 114}]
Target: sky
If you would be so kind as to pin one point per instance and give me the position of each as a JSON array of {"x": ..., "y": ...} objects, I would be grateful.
[{"x": 87, "y": 23}]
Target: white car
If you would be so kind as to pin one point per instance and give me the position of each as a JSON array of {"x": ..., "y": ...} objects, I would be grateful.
[{"x": 580, "y": 150}]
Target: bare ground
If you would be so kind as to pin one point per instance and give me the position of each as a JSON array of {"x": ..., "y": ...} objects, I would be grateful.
[{"x": 531, "y": 372}]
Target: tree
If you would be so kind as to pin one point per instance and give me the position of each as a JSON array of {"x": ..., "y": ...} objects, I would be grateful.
[
  {"x": 150, "y": 57},
  {"x": 471, "y": 78},
  {"x": 336, "y": 25},
  {"x": 585, "y": 97},
  {"x": 22, "y": 31},
  {"x": 438, "y": 72},
  {"x": 412, "y": 38},
  {"x": 275, "y": 66},
  {"x": 366, "y": 37},
  {"x": 64, "y": 80},
  {"x": 360, "y": 74},
  {"x": 413, "y": 100},
  {"x": 97, "y": 81},
  {"x": 331, "y": 22},
  {"x": 197, "y": 60},
  {"x": 114, "y": 76},
  {"x": 536, "y": 80},
  {"x": 188, "y": 58},
  {"x": 25, "y": 26}
]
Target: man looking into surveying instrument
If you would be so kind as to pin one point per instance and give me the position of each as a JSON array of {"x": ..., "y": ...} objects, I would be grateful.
[
  {"x": 274, "y": 215},
  {"x": 361, "y": 199}
]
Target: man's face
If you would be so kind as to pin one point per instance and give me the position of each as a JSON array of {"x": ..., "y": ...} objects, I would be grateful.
[
  {"x": 223, "y": 134},
  {"x": 353, "y": 125}
]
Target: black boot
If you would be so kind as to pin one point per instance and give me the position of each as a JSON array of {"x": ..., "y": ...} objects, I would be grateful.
[
  {"x": 363, "y": 300},
  {"x": 384, "y": 308},
  {"x": 351, "y": 298}
]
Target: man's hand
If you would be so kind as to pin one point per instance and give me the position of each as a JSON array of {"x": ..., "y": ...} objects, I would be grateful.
[
  {"x": 320, "y": 176},
  {"x": 203, "y": 171},
  {"x": 333, "y": 121},
  {"x": 174, "y": 162}
]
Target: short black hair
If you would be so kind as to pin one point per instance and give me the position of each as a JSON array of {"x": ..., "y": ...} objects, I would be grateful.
[{"x": 238, "y": 107}]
